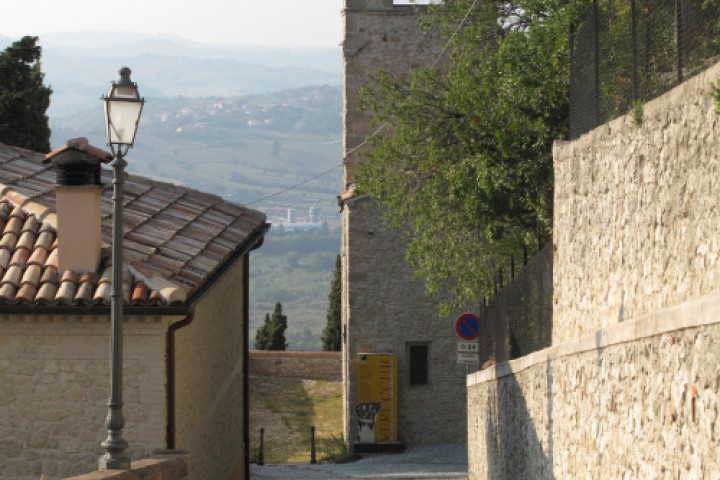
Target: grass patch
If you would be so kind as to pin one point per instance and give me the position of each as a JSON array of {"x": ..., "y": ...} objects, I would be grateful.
[{"x": 287, "y": 408}]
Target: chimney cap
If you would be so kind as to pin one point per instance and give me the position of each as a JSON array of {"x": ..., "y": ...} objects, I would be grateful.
[
  {"x": 78, "y": 144},
  {"x": 77, "y": 163}
]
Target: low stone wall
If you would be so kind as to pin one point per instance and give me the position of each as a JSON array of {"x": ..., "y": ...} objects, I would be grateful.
[
  {"x": 635, "y": 400},
  {"x": 175, "y": 468},
  {"x": 307, "y": 365}
]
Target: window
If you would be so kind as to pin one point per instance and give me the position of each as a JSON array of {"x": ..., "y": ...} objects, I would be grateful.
[{"x": 418, "y": 361}]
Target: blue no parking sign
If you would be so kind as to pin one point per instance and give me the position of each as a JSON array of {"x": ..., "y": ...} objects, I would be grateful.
[{"x": 467, "y": 326}]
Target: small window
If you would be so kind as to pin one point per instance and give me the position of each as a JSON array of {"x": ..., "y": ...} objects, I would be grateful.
[{"x": 419, "y": 364}]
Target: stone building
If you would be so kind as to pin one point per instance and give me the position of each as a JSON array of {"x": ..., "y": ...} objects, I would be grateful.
[
  {"x": 185, "y": 294},
  {"x": 384, "y": 309}
]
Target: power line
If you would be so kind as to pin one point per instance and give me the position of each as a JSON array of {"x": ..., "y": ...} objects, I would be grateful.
[
  {"x": 377, "y": 130},
  {"x": 293, "y": 187},
  {"x": 460, "y": 25}
]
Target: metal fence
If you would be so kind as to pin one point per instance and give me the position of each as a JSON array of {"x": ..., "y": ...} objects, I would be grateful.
[
  {"x": 519, "y": 316},
  {"x": 630, "y": 51}
]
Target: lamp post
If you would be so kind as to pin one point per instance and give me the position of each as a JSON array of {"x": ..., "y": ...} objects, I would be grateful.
[{"x": 122, "y": 106}]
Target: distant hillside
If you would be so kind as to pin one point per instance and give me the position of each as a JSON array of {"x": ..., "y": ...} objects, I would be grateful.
[
  {"x": 240, "y": 122},
  {"x": 79, "y": 67},
  {"x": 243, "y": 148}
]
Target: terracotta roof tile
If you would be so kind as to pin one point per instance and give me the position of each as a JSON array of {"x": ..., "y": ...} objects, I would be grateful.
[
  {"x": 20, "y": 257},
  {"x": 84, "y": 292},
  {"x": 52, "y": 259},
  {"x": 7, "y": 293},
  {"x": 47, "y": 293},
  {"x": 50, "y": 275},
  {"x": 26, "y": 240},
  {"x": 5, "y": 255},
  {"x": 8, "y": 241},
  {"x": 45, "y": 239},
  {"x": 27, "y": 293},
  {"x": 13, "y": 275},
  {"x": 175, "y": 238},
  {"x": 66, "y": 291},
  {"x": 140, "y": 293},
  {"x": 38, "y": 256},
  {"x": 14, "y": 225},
  {"x": 32, "y": 275}
]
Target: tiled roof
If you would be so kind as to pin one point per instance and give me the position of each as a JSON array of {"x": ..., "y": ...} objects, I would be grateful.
[{"x": 176, "y": 239}]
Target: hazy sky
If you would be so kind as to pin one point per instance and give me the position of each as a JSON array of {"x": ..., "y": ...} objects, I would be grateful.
[{"x": 306, "y": 23}]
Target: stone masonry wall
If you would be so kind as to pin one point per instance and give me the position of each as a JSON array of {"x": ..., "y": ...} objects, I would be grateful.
[
  {"x": 387, "y": 310},
  {"x": 630, "y": 387},
  {"x": 54, "y": 387},
  {"x": 637, "y": 212},
  {"x": 605, "y": 407},
  {"x": 308, "y": 365},
  {"x": 384, "y": 308},
  {"x": 377, "y": 36}
]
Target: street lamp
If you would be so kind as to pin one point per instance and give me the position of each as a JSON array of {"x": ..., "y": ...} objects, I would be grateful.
[{"x": 122, "y": 106}]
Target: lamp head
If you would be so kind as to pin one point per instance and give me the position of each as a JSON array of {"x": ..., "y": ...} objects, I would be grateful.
[{"x": 122, "y": 106}]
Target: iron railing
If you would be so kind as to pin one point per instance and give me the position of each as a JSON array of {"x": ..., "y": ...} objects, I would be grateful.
[
  {"x": 629, "y": 51},
  {"x": 518, "y": 319}
]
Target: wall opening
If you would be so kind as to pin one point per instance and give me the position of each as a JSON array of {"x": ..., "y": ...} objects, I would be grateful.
[{"x": 418, "y": 363}]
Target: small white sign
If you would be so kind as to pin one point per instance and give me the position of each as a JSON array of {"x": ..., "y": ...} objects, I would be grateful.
[
  {"x": 467, "y": 347},
  {"x": 468, "y": 358}
]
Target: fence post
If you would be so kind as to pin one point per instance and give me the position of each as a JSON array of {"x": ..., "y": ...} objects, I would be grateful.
[
  {"x": 261, "y": 451},
  {"x": 596, "y": 60},
  {"x": 633, "y": 39},
  {"x": 678, "y": 41},
  {"x": 313, "y": 458}
]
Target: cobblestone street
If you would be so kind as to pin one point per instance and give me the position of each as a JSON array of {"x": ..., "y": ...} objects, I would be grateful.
[{"x": 438, "y": 462}]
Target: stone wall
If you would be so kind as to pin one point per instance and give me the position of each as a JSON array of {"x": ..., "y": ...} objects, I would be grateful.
[
  {"x": 634, "y": 400},
  {"x": 387, "y": 310},
  {"x": 377, "y": 36},
  {"x": 151, "y": 469},
  {"x": 637, "y": 212},
  {"x": 384, "y": 308},
  {"x": 629, "y": 388},
  {"x": 209, "y": 393},
  {"x": 54, "y": 390},
  {"x": 307, "y": 365}
]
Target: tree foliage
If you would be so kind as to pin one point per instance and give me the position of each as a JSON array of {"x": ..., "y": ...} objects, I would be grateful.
[
  {"x": 271, "y": 334},
  {"x": 466, "y": 170},
  {"x": 332, "y": 334},
  {"x": 23, "y": 97}
]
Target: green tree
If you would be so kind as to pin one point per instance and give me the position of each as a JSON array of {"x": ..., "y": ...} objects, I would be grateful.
[
  {"x": 332, "y": 334},
  {"x": 262, "y": 335},
  {"x": 271, "y": 334},
  {"x": 465, "y": 171},
  {"x": 23, "y": 97}
]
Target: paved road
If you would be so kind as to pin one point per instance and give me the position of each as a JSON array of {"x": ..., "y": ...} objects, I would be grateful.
[{"x": 437, "y": 462}]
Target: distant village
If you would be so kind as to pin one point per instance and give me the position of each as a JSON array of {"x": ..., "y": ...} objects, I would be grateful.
[{"x": 293, "y": 219}]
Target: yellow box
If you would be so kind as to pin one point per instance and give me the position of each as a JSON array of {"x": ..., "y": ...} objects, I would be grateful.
[{"x": 377, "y": 405}]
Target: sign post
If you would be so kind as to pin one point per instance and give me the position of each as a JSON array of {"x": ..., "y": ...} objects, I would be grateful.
[{"x": 467, "y": 327}]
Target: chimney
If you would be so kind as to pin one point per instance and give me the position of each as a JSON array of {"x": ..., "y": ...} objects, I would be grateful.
[{"x": 77, "y": 193}]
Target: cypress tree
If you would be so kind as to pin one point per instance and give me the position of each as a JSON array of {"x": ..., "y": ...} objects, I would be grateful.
[
  {"x": 331, "y": 336},
  {"x": 271, "y": 334}
]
